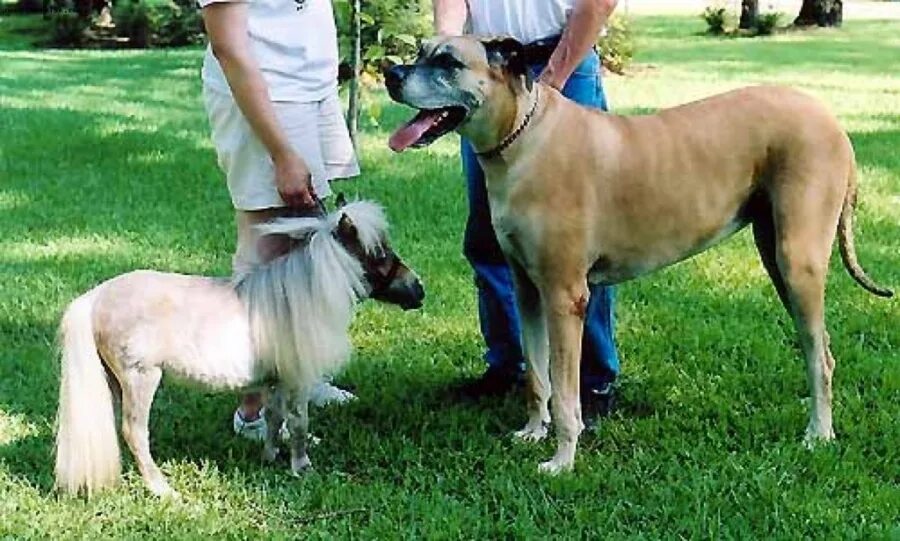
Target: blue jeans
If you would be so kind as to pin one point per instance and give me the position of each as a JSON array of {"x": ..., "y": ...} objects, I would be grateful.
[{"x": 496, "y": 298}]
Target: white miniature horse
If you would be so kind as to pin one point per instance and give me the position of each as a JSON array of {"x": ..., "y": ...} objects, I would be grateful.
[{"x": 279, "y": 328}]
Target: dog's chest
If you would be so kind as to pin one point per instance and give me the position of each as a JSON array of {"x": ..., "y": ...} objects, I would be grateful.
[{"x": 511, "y": 230}]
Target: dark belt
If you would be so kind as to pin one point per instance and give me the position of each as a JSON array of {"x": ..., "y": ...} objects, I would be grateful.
[{"x": 539, "y": 51}]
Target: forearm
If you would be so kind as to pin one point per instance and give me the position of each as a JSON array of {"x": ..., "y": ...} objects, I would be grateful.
[
  {"x": 450, "y": 17},
  {"x": 585, "y": 23},
  {"x": 226, "y": 25},
  {"x": 251, "y": 94}
]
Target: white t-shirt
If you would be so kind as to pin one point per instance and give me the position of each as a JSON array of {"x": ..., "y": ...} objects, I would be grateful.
[
  {"x": 525, "y": 20},
  {"x": 295, "y": 43}
]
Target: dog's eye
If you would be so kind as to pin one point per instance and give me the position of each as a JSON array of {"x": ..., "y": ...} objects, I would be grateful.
[{"x": 446, "y": 60}]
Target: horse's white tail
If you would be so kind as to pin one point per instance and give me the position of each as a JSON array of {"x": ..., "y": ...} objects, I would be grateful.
[{"x": 87, "y": 447}]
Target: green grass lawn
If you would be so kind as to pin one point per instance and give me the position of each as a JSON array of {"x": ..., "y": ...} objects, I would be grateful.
[{"x": 105, "y": 166}]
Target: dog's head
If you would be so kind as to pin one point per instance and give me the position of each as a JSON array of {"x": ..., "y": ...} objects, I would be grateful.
[{"x": 459, "y": 83}]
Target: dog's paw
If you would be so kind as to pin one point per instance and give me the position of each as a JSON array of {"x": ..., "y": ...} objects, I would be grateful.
[
  {"x": 816, "y": 437},
  {"x": 162, "y": 490},
  {"x": 531, "y": 433},
  {"x": 556, "y": 466}
]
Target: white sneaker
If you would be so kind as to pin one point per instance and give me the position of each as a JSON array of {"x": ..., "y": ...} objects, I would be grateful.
[
  {"x": 324, "y": 393},
  {"x": 257, "y": 430},
  {"x": 252, "y": 430}
]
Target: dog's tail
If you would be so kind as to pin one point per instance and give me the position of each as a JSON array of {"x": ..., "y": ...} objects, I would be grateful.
[
  {"x": 845, "y": 239},
  {"x": 87, "y": 447}
]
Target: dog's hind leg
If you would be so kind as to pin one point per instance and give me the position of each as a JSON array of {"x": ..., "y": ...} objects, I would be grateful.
[
  {"x": 566, "y": 308},
  {"x": 138, "y": 387},
  {"x": 298, "y": 426},
  {"x": 805, "y": 217},
  {"x": 805, "y": 283},
  {"x": 764, "y": 235},
  {"x": 536, "y": 349}
]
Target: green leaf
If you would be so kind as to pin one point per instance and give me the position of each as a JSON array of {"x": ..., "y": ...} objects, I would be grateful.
[
  {"x": 407, "y": 39},
  {"x": 374, "y": 52}
]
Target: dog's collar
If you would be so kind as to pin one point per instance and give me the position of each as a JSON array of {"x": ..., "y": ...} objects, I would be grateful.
[{"x": 513, "y": 135}]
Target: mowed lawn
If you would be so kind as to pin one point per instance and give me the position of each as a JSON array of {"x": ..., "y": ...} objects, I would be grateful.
[{"x": 105, "y": 167}]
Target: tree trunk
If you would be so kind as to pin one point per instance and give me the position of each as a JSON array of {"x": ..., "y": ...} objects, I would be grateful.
[
  {"x": 821, "y": 13},
  {"x": 749, "y": 13},
  {"x": 356, "y": 66}
]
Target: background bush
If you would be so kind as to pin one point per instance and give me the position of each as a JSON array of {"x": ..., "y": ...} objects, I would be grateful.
[
  {"x": 766, "y": 23},
  {"x": 158, "y": 23},
  {"x": 391, "y": 30},
  {"x": 716, "y": 17},
  {"x": 30, "y": 6},
  {"x": 66, "y": 26},
  {"x": 618, "y": 45}
]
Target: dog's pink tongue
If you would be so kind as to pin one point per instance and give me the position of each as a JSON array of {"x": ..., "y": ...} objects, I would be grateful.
[{"x": 412, "y": 131}]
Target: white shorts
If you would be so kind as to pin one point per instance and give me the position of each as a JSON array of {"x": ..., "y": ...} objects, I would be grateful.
[{"x": 316, "y": 130}]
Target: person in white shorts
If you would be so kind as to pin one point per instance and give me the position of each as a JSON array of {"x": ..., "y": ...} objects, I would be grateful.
[{"x": 270, "y": 90}]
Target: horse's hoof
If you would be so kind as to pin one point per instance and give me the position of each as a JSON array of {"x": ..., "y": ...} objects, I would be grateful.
[{"x": 300, "y": 466}]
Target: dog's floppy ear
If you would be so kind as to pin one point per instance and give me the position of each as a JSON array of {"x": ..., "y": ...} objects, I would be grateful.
[{"x": 509, "y": 54}]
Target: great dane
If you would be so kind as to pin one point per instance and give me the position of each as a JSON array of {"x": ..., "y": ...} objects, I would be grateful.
[{"x": 578, "y": 195}]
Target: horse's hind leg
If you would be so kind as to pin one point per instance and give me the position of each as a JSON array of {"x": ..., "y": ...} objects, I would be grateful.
[{"x": 138, "y": 388}]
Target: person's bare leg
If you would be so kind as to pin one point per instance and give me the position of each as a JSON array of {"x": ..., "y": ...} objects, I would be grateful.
[{"x": 251, "y": 251}]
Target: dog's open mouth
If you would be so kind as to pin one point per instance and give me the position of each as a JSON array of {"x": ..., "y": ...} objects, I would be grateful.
[{"x": 426, "y": 127}]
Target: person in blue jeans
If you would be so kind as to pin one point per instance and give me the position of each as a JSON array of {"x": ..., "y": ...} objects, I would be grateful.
[{"x": 559, "y": 37}]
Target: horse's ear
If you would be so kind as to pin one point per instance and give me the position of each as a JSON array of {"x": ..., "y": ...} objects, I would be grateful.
[
  {"x": 340, "y": 200},
  {"x": 346, "y": 230}
]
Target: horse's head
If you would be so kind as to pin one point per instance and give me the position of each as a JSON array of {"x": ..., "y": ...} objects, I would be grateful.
[{"x": 361, "y": 229}]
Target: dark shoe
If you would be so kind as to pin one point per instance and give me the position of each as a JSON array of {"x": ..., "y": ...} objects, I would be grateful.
[
  {"x": 597, "y": 402},
  {"x": 494, "y": 382}
]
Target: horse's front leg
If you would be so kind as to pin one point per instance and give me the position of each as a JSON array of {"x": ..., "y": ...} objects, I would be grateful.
[
  {"x": 298, "y": 425},
  {"x": 275, "y": 411}
]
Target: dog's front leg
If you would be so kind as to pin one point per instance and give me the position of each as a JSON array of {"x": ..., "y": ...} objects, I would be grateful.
[
  {"x": 536, "y": 349},
  {"x": 298, "y": 426},
  {"x": 566, "y": 310}
]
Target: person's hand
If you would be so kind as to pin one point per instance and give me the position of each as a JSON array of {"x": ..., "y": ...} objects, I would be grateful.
[
  {"x": 549, "y": 77},
  {"x": 294, "y": 181}
]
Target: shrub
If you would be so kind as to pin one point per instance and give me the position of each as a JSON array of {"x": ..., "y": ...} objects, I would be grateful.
[
  {"x": 177, "y": 26},
  {"x": 715, "y": 17},
  {"x": 390, "y": 33},
  {"x": 164, "y": 24},
  {"x": 766, "y": 23},
  {"x": 29, "y": 6},
  {"x": 134, "y": 20},
  {"x": 617, "y": 45},
  {"x": 67, "y": 27}
]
